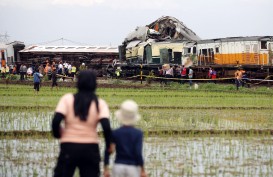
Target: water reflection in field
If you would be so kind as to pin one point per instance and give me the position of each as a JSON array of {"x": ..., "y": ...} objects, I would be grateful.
[{"x": 172, "y": 156}]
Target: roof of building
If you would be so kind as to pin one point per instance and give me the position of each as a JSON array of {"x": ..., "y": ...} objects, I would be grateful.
[{"x": 70, "y": 49}]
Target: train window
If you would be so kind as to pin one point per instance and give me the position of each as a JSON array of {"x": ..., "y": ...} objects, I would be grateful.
[
  {"x": 255, "y": 48},
  {"x": 194, "y": 50},
  {"x": 217, "y": 50},
  {"x": 186, "y": 51},
  {"x": 205, "y": 52},
  {"x": 263, "y": 44}
]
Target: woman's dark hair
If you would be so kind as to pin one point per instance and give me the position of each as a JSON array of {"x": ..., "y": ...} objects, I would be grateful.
[{"x": 87, "y": 84}]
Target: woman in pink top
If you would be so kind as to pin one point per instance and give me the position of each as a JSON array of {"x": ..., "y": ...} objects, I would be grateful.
[{"x": 79, "y": 140}]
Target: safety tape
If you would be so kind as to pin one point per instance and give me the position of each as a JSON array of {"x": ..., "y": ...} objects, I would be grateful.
[
  {"x": 164, "y": 78},
  {"x": 230, "y": 78},
  {"x": 64, "y": 76}
]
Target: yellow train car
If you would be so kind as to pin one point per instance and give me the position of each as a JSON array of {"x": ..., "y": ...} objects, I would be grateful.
[{"x": 255, "y": 50}]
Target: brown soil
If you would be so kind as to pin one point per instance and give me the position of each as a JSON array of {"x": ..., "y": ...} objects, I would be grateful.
[
  {"x": 73, "y": 84},
  {"x": 44, "y": 134}
]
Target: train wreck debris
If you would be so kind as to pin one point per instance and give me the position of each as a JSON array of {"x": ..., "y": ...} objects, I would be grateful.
[
  {"x": 168, "y": 42},
  {"x": 163, "y": 29}
]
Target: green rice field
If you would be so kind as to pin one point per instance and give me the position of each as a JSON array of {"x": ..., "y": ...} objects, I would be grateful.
[{"x": 212, "y": 131}]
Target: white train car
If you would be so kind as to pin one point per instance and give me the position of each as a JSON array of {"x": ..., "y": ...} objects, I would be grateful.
[
  {"x": 9, "y": 52},
  {"x": 256, "y": 50}
]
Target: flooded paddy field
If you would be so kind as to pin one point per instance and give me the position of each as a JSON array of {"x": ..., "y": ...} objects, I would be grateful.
[
  {"x": 202, "y": 132},
  {"x": 155, "y": 119},
  {"x": 164, "y": 156}
]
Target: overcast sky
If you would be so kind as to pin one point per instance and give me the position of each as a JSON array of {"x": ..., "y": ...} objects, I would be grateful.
[{"x": 105, "y": 22}]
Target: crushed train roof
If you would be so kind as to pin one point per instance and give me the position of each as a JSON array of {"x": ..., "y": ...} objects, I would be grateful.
[{"x": 165, "y": 28}]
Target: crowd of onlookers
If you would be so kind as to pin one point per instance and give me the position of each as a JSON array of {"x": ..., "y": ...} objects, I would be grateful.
[
  {"x": 179, "y": 72},
  {"x": 25, "y": 71}
]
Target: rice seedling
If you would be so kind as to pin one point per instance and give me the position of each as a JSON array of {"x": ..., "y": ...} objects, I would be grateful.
[{"x": 204, "y": 132}]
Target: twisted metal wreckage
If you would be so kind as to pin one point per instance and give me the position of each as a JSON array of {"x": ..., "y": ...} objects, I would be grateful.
[{"x": 168, "y": 41}]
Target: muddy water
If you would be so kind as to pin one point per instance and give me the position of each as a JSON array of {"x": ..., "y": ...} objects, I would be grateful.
[{"x": 173, "y": 156}]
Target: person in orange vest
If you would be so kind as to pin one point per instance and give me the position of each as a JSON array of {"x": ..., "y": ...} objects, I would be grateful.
[{"x": 238, "y": 78}]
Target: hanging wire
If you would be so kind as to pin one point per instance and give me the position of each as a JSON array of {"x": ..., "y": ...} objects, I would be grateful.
[{"x": 60, "y": 40}]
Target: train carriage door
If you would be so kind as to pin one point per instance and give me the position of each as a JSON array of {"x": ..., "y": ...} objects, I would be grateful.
[
  {"x": 147, "y": 56},
  {"x": 256, "y": 55},
  {"x": 177, "y": 57},
  {"x": 164, "y": 55},
  {"x": 170, "y": 55},
  {"x": 210, "y": 56},
  {"x": 263, "y": 52},
  {"x": 270, "y": 52}
]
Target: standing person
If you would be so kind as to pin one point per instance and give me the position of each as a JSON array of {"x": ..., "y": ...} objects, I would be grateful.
[
  {"x": 178, "y": 72},
  {"x": 169, "y": 73},
  {"x": 3, "y": 72},
  {"x": 60, "y": 68},
  {"x": 14, "y": 71},
  {"x": 36, "y": 80},
  {"x": 24, "y": 69},
  {"x": 29, "y": 71},
  {"x": 69, "y": 67},
  {"x": 183, "y": 74},
  {"x": 54, "y": 80},
  {"x": 210, "y": 74},
  {"x": 190, "y": 75},
  {"x": 213, "y": 75},
  {"x": 238, "y": 78},
  {"x": 41, "y": 69},
  {"x": 73, "y": 71},
  {"x": 81, "y": 113},
  {"x": 21, "y": 72},
  {"x": 49, "y": 72},
  {"x": 127, "y": 141},
  {"x": 11, "y": 68},
  {"x": 117, "y": 72},
  {"x": 161, "y": 74}
]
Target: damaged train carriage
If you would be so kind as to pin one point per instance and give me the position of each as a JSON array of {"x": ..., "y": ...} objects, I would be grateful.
[
  {"x": 254, "y": 54},
  {"x": 154, "y": 55},
  {"x": 161, "y": 42},
  {"x": 169, "y": 41}
]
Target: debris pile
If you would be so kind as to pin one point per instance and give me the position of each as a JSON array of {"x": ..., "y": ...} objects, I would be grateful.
[{"x": 165, "y": 28}]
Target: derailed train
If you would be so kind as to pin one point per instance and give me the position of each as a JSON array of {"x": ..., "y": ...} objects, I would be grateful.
[
  {"x": 169, "y": 41},
  {"x": 164, "y": 41},
  {"x": 225, "y": 55}
]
